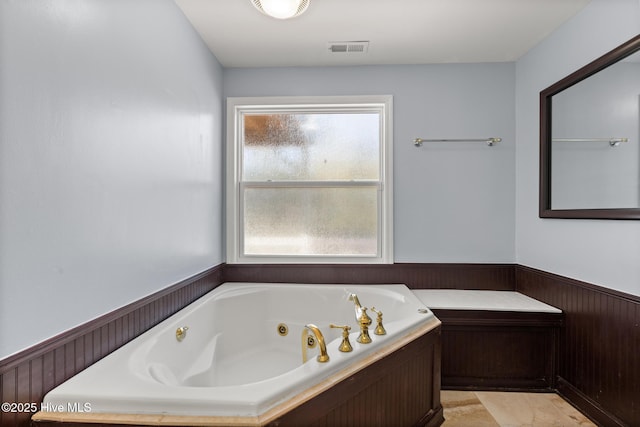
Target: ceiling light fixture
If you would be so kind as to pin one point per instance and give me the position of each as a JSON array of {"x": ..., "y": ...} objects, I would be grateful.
[{"x": 281, "y": 9}]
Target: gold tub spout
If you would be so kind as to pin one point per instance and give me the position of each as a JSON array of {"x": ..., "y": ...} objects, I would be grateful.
[
  {"x": 323, "y": 356},
  {"x": 357, "y": 306}
]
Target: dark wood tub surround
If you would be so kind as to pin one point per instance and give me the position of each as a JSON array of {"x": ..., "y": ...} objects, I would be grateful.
[
  {"x": 499, "y": 350},
  {"x": 402, "y": 389},
  {"x": 598, "y": 360}
]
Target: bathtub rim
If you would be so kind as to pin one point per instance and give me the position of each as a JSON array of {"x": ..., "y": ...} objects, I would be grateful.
[{"x": 241, "y": 421}]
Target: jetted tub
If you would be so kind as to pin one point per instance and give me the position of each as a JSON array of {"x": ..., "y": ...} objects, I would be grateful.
[{"x": 234, "y": 361}]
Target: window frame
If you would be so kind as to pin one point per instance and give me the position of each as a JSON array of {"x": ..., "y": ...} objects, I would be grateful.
[{"x": 237, "y": 106}]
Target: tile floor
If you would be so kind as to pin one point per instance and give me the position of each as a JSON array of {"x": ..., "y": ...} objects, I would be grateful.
[{"x": 509, "y": 409}]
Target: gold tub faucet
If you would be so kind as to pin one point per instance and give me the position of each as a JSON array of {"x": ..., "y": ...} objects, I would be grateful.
[
  {"x": 363, "y": 320},
  {"x": 319, "y": 338}
]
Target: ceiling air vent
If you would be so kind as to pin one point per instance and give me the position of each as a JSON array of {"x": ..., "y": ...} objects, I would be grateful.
[{"x": 348, "y": 47}]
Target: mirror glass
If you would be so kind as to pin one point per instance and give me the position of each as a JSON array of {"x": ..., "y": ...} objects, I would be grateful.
[{"x": 590, "y": 132}]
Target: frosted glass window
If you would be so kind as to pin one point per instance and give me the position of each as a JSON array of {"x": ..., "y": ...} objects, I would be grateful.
[{"x": 309, "y": 180}]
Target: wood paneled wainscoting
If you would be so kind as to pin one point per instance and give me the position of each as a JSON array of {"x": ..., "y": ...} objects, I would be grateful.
[
  {"x": 28, "y": 375},
  {"x": 599, "y": 345},
  {"x": 599, "y": 352},
  {"x": 496, "y": 277}
]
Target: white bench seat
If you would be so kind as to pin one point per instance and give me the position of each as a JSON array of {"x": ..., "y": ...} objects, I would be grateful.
[{"x": 456, "y": 299}]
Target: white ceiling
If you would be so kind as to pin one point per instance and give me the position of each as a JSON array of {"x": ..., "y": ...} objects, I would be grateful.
[{"x": 399, "y": 31}]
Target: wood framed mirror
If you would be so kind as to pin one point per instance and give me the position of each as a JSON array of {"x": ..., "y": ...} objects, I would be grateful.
[{"x": 589, "y": 139}]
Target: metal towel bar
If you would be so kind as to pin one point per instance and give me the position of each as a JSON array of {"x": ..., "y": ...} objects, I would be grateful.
[{"x": 489, "y": 141}]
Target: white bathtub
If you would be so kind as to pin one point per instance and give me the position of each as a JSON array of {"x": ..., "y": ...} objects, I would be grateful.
[{"x": 233, "y": 363}]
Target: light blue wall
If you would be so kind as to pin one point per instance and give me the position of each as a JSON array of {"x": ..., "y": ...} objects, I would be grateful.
[
  {"x": 453, "y": 202},
  {"x": 110, "y": 159},
  {"x": 603, "y": 252}
]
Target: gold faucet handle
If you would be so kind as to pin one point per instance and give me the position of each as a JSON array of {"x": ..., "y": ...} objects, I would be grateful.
[
  {"x": 345, "y": 346},
  {"x": 345, "y": 328},
  {"x": 379, "y": 328}
]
